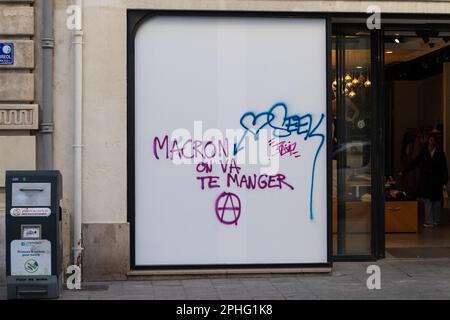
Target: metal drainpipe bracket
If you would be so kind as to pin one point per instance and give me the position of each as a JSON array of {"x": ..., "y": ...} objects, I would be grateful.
[
  {"x": 78, "y": 37},
  {"x": 48, "y": 43},
  {"x": 47, "y": 127},
  {"x": 78, "y": 249}
]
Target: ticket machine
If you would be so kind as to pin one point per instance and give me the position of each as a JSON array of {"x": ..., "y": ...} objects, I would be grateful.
[{"x": 33, "y": 234}]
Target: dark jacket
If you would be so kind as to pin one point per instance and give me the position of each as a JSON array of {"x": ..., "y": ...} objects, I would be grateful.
[{"x": 433, "y": 173}]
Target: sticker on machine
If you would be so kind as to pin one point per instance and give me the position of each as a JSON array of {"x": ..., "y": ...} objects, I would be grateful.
[
  {"x": 31, "y": 258},
  {"x": 31, "y": 212}
]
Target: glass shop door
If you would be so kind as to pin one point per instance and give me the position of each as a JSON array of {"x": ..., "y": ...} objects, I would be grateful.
[{"x": 358, "y": 222}]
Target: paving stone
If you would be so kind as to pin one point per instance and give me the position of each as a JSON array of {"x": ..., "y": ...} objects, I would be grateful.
[
  {"x": 234, "y": 296},
  {"x": 166, "y": 283},
  {"x": 263, "y": 295},
  {"x": 204, "y": 292},
  {"x": 269, "y": 298},
  {"x": 169, "y": 293},
  {"x": 290, "y": 288},
  {"x": 206, "y": 283},
  {"x": 226, "y": 281},
  {"x": 201, "y": 297},
  {"x": 283, "y": 280}
]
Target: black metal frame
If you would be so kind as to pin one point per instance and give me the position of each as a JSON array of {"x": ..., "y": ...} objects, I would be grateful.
[
  {"x": 134, "y": 19},
  {"x": 341, "y": 212},
  {"x": 377, "y": 147},
  {"x": 378, "y": 135}
]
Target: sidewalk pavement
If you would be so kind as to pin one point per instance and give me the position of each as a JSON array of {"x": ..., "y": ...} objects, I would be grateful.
[{"x": 400, "y": 279}]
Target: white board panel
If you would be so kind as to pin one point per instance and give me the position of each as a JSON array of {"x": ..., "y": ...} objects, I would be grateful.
[{"x": 263, "y": 79}]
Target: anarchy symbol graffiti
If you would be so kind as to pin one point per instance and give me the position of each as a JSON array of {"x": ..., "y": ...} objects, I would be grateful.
[{"x": 228, "y": 208}]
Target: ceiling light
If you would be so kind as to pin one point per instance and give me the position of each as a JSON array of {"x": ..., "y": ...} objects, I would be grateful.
[
  {"x": 397, "y": 40},
  {"x": 359, "y": 67},
  {"x": 389, "y": 52}
]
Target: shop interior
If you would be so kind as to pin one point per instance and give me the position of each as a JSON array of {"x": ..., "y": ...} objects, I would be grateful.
[
  {"x": 417, "y": 94},
  {"x": 417, "y": 66}
]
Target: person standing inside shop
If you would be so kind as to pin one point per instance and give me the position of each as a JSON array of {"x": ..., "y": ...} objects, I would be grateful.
[{"x": 433, "y": 177}]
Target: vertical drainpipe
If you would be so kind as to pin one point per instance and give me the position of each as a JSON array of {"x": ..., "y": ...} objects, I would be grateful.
[
  {"x": 47, "y": 125},
  {"x": 78, "y": 137}
]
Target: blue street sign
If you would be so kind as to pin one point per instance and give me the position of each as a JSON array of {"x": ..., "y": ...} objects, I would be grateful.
[{"x": 6, "y": 53}]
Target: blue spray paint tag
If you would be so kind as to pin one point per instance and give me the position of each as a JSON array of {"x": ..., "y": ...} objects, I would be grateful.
[{"x": 6, "y": 53}]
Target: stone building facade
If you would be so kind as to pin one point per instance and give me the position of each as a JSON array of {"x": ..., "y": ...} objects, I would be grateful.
[
  {"x": 106, "y": 232},
  {"x": 19, "y": 109}
]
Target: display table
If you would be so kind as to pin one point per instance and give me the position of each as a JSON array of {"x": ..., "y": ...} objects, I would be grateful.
[{"x": 401, "y": 216}]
